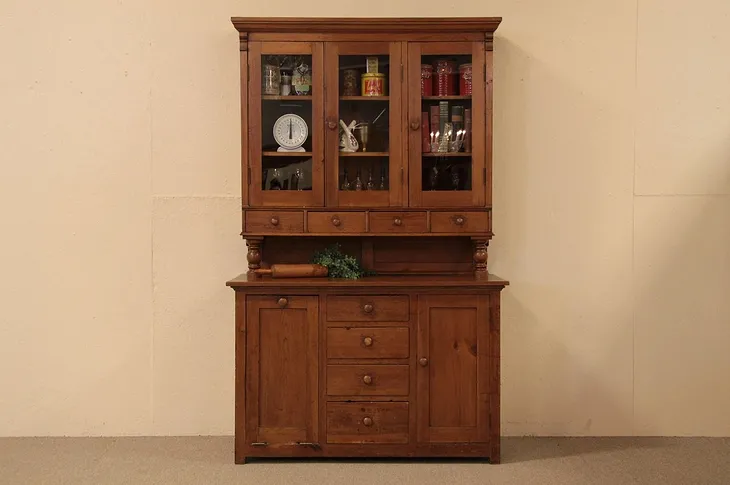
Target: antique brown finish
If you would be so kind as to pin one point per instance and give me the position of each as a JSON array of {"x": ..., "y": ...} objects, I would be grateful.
[{"x": 403, "y": 363}]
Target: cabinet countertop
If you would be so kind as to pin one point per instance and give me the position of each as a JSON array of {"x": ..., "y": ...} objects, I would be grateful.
[{"x": 450, "y": 281}]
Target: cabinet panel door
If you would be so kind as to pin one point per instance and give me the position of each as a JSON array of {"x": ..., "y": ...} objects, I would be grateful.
[
  {"x": 448, "y": 104},
  {"x": 453, "y": 370},
  {"x": 286, "y": 124},
  {"x": 282, "y": 376}
]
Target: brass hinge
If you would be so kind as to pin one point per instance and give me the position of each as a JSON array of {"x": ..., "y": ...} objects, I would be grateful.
[
  {"x": 260, "y": 443},
  {"x": 401, "y": 175},
  {"x": 314, "y": 446}
]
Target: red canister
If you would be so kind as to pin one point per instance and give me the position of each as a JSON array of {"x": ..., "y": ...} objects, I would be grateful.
[
  {"x": 465, "y": 80},
  {"x": 444, "y": 78},
  {"x": 426, "y": 82}
]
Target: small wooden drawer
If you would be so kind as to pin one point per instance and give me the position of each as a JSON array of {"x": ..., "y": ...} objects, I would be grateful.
[
  {"x": 460, "y": 221},
  {"x": 336, "y": 222},
  {"x": 274, "y": 221},
  {"x": 367, "y": 422},
  {"x": 367, "y": 380},
  {"x": 364, "y": 308},
  {"x": 368, "y": 343},
  {"x": 397, "y": 222}
]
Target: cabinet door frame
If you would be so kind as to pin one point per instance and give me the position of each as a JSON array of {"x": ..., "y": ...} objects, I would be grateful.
[
  {"x": 285, "y": 198},
  {"x": 288, "y": 436},
  {"x": 426, "y": 433},
  {"x": 396, "y": 195},
  {"x": 477, "y": 196}
]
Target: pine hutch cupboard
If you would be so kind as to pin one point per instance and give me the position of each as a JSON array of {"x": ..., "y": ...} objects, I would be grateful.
[{"x": 375, "y": 134}]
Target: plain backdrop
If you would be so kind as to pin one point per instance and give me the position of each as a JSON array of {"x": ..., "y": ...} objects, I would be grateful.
[{"x": 119, "y": 212}]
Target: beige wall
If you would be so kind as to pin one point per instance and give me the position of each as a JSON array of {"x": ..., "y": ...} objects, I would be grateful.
[{"x": 119, "y": 210}]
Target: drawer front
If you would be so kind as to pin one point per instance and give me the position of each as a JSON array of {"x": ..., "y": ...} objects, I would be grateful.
[
  {"x": 274, "y": 221},
  {"x": 459, "y": 222},
  {"x": 364, "y": 422},
  {"x": 336, "y": 222},
  {"x": 367, "y": 380},
  {"x": 367, "y": 308},
  {"x": 397, "y": 222},
  {"x": 367, "y": 343}
]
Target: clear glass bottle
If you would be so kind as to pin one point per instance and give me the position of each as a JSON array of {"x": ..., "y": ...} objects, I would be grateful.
[
  {"x": 382, "y": 179},
  {"x": 370, "y": 185},
  {"x": 345, "y": 181},
  {"x": 358, "y": 181}
]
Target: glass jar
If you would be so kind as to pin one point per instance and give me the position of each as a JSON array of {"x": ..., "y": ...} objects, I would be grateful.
[
  {"x": 426, "y": 82},
  {"x": 444, "y": 79},
  {"x": 272, "y": 79},
  {"x": 465, "y": 79}
]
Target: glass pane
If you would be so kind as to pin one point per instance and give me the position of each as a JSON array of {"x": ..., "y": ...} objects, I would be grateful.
[
  {"x": 446, "y": 119},
  {"x": 364, "y": 117},
  {"x": 286, "y": 124}
]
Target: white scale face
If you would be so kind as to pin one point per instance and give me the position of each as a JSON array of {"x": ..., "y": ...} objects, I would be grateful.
[{"x": 290, "y": 132}]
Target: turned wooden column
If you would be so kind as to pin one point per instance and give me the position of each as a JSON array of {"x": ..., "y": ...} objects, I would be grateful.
[
  {"x": 254, "y": 253},
  {"x": 480, "y": 255}
]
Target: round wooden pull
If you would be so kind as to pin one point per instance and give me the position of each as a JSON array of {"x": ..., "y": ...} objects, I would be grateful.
[
  {"x": 336, "y": 221},
  {"x": 415, "y": 125},
  {"x": 423, "y": 361},
  {"x": 368, "y": 308},
  {"x": 367, "y": 341},
  {"x": 331, "y": 125},
  {"x": 367, "y": 421},
  {"x": 283, "y": 302},
  {"x": 460, "y": 220},
  {"x": 367, "y": 380},
  {"x": 274, "y": 221},
  {"x": 397, "y": 221}
]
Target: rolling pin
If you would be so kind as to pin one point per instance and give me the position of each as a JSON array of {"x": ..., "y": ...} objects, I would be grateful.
[{"x": 293, "y": 271}]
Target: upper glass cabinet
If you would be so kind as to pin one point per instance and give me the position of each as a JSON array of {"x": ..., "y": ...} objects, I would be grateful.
[
  {"x": 364, "y": 125},
  {"x": 286, "y": 145},
  {"x": 447, "y": 111}
]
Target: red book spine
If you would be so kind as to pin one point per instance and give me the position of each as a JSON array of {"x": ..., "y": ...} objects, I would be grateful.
[
  {"x": 434, "y": 119},
  {"x": 425, "y": 137}
]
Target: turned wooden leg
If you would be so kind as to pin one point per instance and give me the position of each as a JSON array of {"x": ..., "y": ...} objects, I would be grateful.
[
  {"x": 254, "y": 253},
  {"x": 480, "y": 255}
]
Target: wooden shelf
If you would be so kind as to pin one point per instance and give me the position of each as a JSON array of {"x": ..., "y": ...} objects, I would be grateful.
[
  {"x": 364, "y": 154},
  {"x": 271, "y": 97},
  {"x": 364, "y": 98},
  {"x": 287, "y": 154},
  {"x": 445, "y": 98},
  {"x": 447, "y": 154}
]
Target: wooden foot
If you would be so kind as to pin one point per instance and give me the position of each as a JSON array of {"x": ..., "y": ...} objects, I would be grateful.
[
  {"x": 254, "y": 253},
  {"x": 480, "y": 255}
]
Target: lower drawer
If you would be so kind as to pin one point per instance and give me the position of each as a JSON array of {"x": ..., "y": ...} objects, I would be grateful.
[{"x": 367, "y": 422}]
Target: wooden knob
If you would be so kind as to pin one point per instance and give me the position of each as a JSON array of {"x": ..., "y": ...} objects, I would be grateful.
[
  {"x": 397, "y": 221},
  {"x": 423, "y": 361},
  {"x": 283, "y": 302},
  {"x": 367, "y": 341},
  {"x": 331, "y": 125},
  {"x": 336, "y": 221},
  {"x": 274, "y": 221},
  {"x": 368, "y": 308},
  {"x": 415, "y": 125},
  {"x": 367, "y": 421},
  {"x": 460, "y": 220},
  {"x": 367, "y": 380}
]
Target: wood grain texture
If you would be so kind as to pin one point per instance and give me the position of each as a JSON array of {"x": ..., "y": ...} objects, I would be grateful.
[
  {"x": 369, "y": 308},
  {"x": 348, "y": 422},
  {"x": 367, "y": 380},
  {"x": 336, "y": 222},
  {"x": 368, "y": 343},
  {"x": 398, "y": 222}
]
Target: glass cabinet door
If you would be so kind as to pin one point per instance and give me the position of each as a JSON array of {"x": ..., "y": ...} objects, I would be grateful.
[
  {"x": 286, "y": 128},
  {"x": 364, "y": 128},
  {"x": 447, "y": 115}
]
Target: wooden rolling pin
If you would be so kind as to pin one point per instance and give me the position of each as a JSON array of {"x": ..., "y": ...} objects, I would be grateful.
[{"x": 293, "y": 271}]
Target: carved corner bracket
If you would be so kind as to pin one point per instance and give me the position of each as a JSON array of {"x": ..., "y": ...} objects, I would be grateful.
[
  {"x": 243, "y": 41},
  {"x": 489, "y": 41}
]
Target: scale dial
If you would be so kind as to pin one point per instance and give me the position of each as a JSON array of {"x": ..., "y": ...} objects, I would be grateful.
[{"x": 290, "y": 131}]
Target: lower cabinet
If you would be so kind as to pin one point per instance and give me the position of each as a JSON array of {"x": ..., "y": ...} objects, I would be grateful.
[{"x": 367, "y": 375}]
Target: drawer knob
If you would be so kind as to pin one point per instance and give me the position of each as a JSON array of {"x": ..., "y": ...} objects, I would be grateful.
[
  {"x": 336, "y": 221},
  {"x": 331, "y": 125},
  {"x": 367, "y": 380},
  {"x": 368, "y": 308},
  {"x": 367, "y": 341},
  {"x": 274, "y": 221},
  {"x": 367, "y": 421},
  {"x": 283, "y": 302},
  {"x": 423, "y": 361},
  {"x": 415, "y": 125},
  {"x": 397, "y": 221},
  {"x": 459, "y": 220}
]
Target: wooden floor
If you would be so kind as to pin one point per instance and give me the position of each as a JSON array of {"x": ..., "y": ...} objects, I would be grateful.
[{"x": 209, "y": 460}]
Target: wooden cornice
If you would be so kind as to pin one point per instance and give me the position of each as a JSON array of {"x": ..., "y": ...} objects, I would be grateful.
[{"x": 366, "y": 25}]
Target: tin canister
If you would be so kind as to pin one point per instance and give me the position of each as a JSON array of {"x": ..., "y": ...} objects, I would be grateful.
[
  {"x": 426, "y": 81},
  {"x": 444, "y": 78},
  {"x": 465, "y": 79},
  {"x": 349, "y": 82},
  {"x": 371, "y": 65},
  {"x": 373, "y": 84}
]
